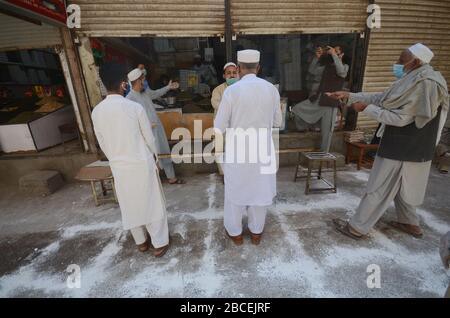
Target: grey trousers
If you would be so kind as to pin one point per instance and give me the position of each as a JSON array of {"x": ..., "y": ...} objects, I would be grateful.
[
  {"x": 327, "y": 123},
  {"x": 167, "y": 166},
  {"x": 392, "y": 180}
]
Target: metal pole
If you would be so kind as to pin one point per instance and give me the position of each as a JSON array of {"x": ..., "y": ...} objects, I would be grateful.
[{"x": 228, "y": 32}]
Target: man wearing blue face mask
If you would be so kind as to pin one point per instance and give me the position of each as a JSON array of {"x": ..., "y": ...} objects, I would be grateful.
[
  {"x": 231, "y": 76},
  {"x": 412, "y": 113},
  {"x": 145, "y": 97},
  {"x": 144, "y": 71}
]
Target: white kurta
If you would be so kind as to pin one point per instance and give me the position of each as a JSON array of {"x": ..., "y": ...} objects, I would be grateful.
[
  {"x": 145, "y": 99},
  {"x": 162, "y": 145},
  {"x": 250, "y": 103},
  {"x": 125, "y": 136}
]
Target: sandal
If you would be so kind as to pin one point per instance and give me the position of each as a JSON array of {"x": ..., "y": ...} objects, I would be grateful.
[
  {"x": 143, "y": 247},
  {"x": 178, "y": 181},
  {"x": 344, "y": 228},
  {"x": 405, "y": 229},
  {"x": 159, "y": 252}
]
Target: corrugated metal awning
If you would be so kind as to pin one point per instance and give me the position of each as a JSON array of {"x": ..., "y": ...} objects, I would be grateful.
[
  {"x": 404, "y": 23},
  {"x": 291, "y": 16},
  {"x": 171, "y": 18},
  {"x": 16, "y": 34}
]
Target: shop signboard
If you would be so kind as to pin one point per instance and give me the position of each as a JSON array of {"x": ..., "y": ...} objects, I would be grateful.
[{"x": 50, "y": 11}]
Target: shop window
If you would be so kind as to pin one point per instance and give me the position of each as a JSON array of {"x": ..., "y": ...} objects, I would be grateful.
[
  {"x": 197, "y": 64},
  {"x": 296, "y": 64},
  {"x": 35, "y": 108}
]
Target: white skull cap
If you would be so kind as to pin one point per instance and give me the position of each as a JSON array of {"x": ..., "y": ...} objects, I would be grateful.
[
  {"x": 229, "y": 64},
  {"x": 135, "y": 74},
  {"x": 422, "y": 52},
  {"x": 248, "y": 56}
]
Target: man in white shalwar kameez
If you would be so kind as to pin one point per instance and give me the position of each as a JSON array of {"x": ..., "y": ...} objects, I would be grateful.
[
  {"x": 412, "y": 112},
  {"x": 144, "y": 97},
  {"x": 125, "y": 136},
  {"x": 250, "y": 186}
]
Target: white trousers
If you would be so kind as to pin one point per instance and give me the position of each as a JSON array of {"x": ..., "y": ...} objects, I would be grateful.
[
  {"x": 233, "y": 218},
  {"x": 159, "y": 233}
]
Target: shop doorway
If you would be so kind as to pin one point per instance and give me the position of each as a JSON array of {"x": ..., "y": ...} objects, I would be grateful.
[{"x": 36, "y": 111}]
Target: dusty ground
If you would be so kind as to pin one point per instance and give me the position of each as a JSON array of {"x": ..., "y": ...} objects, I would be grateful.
[{"x": 300, "y": 256}]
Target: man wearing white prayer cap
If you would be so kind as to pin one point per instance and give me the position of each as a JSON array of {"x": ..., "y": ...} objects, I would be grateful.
[
  {"x": 412, "y": 111},
  {"x": 421, "y": 52},
  {"x": 252, "y": 105},
  {"x": 144, "y": 97},
  {"x": 231, "y": 76},
  {"x": 125, "y": 136}
]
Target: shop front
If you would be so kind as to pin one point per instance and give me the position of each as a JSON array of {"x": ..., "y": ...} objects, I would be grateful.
[
  {"x": 172, "y": 38},
  {"x": 41, "y": 115},
  {"x": 38, "y": 106}
]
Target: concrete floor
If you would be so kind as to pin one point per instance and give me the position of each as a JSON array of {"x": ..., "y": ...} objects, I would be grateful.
[{"x": 301, "y": 255}]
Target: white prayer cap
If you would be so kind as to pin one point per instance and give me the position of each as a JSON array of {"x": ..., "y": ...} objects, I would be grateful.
[
  {"x": 135, "y": 74},
  {"x": 197, "y": 56},
  {"x": 422, "y": 52},
  {"x": 248, "y": 56},
  {"x": 229, "y": 64}
]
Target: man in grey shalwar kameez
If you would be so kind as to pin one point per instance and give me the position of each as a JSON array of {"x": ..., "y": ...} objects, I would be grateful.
[
  {"x": 412, "y": 113},
  {"x": 311, "y": 110},
  {"x": 145, "y": 97}
]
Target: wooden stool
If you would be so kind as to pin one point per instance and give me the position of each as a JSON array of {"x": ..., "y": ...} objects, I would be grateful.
[
  {"x": 98, "y": 172},
  {"x": 361, "y": 160},
  {"x": 320, "y": 158}
]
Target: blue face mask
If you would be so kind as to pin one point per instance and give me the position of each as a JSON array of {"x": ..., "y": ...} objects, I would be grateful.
[
  {"x": 398, "y": 70},
  {"x": 231, "y": 81}
]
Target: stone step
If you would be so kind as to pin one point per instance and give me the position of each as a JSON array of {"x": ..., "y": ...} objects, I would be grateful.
[{"x": 42, "y": 182}]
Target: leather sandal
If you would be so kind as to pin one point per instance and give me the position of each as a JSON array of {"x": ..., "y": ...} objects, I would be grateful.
[
  {"x": 415, "y": 231},
  {"x": 344, "y": 227},
  {"x": 159, "y": 252},
  {"x": 143, "y": 247},
  {"x": 255, "y": 238},
  {"x": 238, "y": 240}
]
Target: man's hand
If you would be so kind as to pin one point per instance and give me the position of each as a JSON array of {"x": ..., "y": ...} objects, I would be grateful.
[
  {"x": 173, "y": 85},
  {"x": 331, "y": 50},
  {"x": 359, "y": 107},
  {"x": 340, "y": 95}
]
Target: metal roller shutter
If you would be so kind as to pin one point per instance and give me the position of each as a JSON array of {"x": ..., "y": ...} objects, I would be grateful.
[
  {"x": 170, "y": 18},
  {"x": 294, "y": 16},
  {"x": 16, "y": 34},
  {"x": 404, "y": 23}
]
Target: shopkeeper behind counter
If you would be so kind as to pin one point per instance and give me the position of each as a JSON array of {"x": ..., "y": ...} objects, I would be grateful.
[{"x": 231, "y": 76}]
